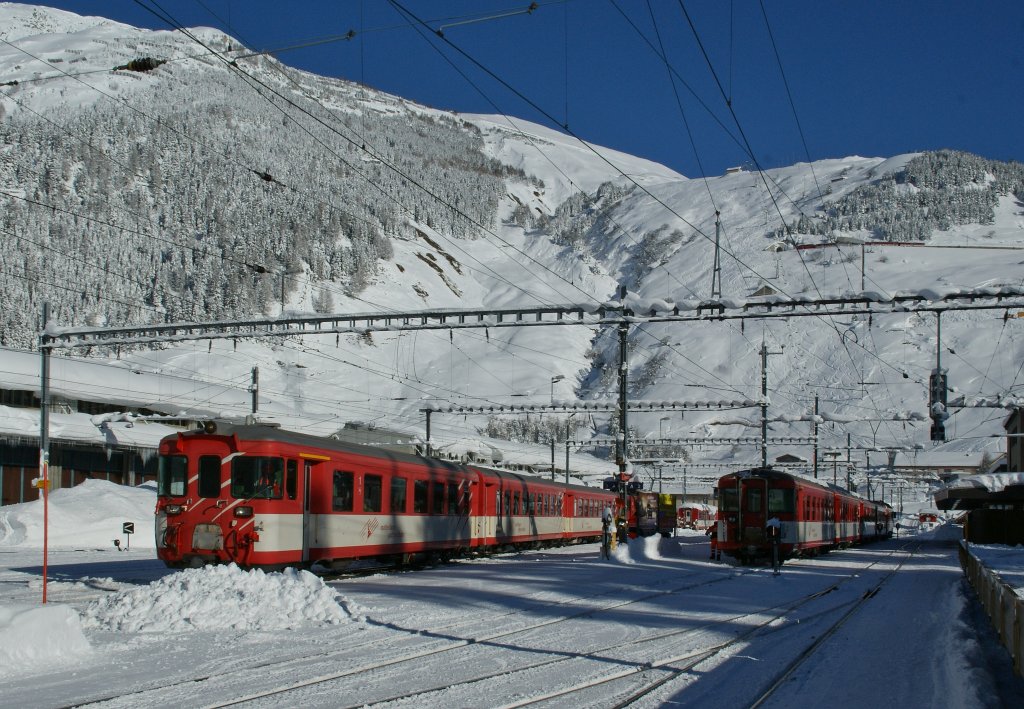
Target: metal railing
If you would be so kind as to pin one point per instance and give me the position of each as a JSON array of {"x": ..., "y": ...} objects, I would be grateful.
[{"x": 1000, "y": 600}]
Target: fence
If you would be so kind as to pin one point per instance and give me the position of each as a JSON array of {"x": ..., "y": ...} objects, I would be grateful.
[{"x": 1001, "y": 602}]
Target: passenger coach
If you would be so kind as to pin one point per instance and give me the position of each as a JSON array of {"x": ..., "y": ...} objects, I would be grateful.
[
  {"x": 263, "y": 496},
  {"x": 813, "y": 518}
]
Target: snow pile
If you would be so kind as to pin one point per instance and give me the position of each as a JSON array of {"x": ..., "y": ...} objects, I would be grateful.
[
  {"x": 993, "y": 482},
  {"x": 34, "y": 634},
  {"x": 1007, "y": 561},
  {"x": 642, "y": 549},
  {"x": 89, "y": 515},
  {"x": 221, "y": 597}
]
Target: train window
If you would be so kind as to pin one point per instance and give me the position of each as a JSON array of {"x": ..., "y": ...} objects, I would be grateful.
[
  {"x": 373, "y": 493},
  {"x": 344, "y": 486},
  {"x": 508, "y": 503},
  {"x": 437, "y": 498},
  {"x": 728, "y": 500},
  {"x": 209, "y": 476},
  {"x": 464, "y": 498},
  {"x": 291, "y": 478},
  {"x": 419, "y": 496},
  {"x": 780, "y": 501},
  {"x": 171, "y": 476},
  {"x": 516, "y": 507},
  {"x": 398, "y": 491},
  {"x": 256, "y": 477},
  {"x": 453, "y": 498},
  {"x": 753, "y": 499}
]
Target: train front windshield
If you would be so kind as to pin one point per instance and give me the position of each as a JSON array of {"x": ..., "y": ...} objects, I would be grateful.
[
  {"x": 728, "y": 499},
  {"x": 172, "y": 476},
  {"x": 256, "y": 477}
]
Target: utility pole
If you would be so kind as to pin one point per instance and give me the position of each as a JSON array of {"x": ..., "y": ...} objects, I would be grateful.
[
  {"x": 566, "y": 457},
  {"x": 255, "y": 389},
  {"x": 849, "y": 464},
  {"x": 623, "y": 437},
  {"x": 815, "y": 435},
  {"x": 937, "y": 387},
  {"x": 764, "y": 402},
  {"x": 552, "y": 458},
  {"x": 716, "y": 272},
  {"x": 428, "y": 412},
  {"x": 620, "y": 454}
]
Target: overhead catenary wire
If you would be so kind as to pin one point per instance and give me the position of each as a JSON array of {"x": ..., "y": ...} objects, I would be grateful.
[
  {"x": 730, "y": 91},
  {"x": 253, "y": 82},
  {"x": 363, "y": 146},
  {"x": 246, "y": 264}
]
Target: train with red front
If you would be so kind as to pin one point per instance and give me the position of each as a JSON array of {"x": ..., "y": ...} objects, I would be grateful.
[
  {"x": 812, "y": 518},
  {"x": 643, "y": 513},
  {"x": 261, "y": 496}
]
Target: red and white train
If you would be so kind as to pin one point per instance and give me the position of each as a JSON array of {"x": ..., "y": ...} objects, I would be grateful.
[
  {"x": 262, "y": 496},
  {"x": 813, "y": 518}
]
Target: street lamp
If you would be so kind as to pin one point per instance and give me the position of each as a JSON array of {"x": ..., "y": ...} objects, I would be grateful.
[{"x": 556, "y": 378}]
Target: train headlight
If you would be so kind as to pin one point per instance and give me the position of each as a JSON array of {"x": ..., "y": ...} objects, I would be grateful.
[
  {"x": 243, "y": 511},
  {"x": 173, "y": 509}
]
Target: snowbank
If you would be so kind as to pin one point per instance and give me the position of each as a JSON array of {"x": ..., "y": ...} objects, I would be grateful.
[
  {"x": 221, "y": 597},
  {"x": 645, "y": 549},
  {"x": 994, "y": 482},
  {"x": 1006, "y": 561},
  {"x": 88, "y": 515},
  {"x": 34, "y": 634}
]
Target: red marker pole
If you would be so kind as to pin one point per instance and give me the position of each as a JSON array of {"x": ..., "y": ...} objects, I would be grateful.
[
  {"x": 46, "y": 521},
  {"x": 44, "y": 435}
]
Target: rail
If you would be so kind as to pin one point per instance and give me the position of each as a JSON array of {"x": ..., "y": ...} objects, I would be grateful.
[{"x": 1000, "y": 600}]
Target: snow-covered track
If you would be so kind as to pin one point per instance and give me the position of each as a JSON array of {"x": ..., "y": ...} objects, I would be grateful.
[
  {"x": 440, "y": 640},
  {"x": 831, "y": 630}
]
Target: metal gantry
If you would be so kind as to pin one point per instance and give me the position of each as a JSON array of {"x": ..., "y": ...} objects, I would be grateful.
[
  {"x": 628, "y": 311},
  {"x": 622, "y": 314}
]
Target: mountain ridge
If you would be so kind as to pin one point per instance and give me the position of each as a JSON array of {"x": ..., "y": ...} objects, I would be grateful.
[{"x": 180, "y": 193}]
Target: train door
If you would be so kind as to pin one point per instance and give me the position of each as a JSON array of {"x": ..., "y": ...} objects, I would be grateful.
[
  {"x": 307, "y": 524},
  {"x": 753, "y": 505},
  {"x": 485, "y": 516}
]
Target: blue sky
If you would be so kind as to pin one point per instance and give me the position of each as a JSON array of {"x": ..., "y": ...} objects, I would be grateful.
[{"x": 871, "y": 78}]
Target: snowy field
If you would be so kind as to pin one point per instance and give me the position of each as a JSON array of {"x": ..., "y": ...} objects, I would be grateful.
[{"x": 658, "y": 625}]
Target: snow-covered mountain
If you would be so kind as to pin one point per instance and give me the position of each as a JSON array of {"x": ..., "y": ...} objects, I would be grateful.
[{"x": 151, "y": 177}]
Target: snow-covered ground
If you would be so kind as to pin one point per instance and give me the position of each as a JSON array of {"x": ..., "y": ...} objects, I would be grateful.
[{"x": 502, "y": 631}]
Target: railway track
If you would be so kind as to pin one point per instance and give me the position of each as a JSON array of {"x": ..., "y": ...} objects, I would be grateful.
[
  {"x": 643, "y": 678},
  {"x": 632, "y": 668}
]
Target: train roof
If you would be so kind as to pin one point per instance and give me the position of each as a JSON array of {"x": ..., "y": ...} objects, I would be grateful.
[
  {"x": 358, "y": 446},
  {"x": 265, "y": 432},
  {"x": 773, "y": 474}
]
